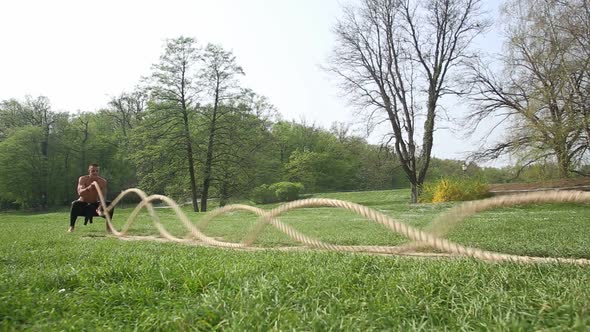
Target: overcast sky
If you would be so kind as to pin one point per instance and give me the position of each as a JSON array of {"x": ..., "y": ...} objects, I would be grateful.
[{"x": 80, "y": 53}]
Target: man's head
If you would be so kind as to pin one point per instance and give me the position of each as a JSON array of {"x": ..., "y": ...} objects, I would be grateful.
[{"x": 93, "y": 169}]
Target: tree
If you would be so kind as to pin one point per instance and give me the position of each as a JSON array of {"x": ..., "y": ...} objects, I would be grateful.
[
  {"x": 321, "y": 171},
  {"x": 379, "y": 169},
  {"x": 576, "y": 24},
  {"x": 219, "y": 77},
  {"x": 393, "y": 56},
  {"x": 292, "y": 136},
  {"x": 32, "y": 112},
  {"x": 124, "y": 113},
  {"x": 174, "y": 91},
  {"x": 23, "y": 166},
  {"x": 159, "y": 166},
  {"x": 242, "y": 157},
  {"x": 543, "y": 90},
  {"x": 127, "y": 110}
]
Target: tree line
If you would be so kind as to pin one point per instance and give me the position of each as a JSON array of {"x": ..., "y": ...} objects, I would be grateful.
[
  {"x": 43, "y": 152},
  {"x": 136, "y": 145},
  {"x": 189, "y": 131}
]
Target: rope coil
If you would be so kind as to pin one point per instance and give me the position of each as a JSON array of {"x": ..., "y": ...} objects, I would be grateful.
[{"x": 431, "y": 237}]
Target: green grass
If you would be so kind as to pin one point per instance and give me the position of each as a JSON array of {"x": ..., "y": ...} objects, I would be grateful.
[{"x": 50, "y": 280}]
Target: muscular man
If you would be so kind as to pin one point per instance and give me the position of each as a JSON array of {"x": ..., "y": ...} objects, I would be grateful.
[{"x": 88, "y": 204}]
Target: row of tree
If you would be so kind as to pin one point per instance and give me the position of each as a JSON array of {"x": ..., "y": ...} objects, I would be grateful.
[
  {"x": 42, "y": 153},
  {"x": 190, "y": 130},
  {"x": 142, "y": 142}
]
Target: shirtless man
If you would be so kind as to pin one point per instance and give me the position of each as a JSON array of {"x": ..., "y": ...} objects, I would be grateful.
[{"x": 88, "y": 204}]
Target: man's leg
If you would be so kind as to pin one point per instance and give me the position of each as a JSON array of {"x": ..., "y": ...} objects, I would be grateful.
[
  {"x": 101, "y": 213},
  {"x": 92, "y": 211},
  {"x": 88, "y": 214},
  {"x": 78, "y": 209}
]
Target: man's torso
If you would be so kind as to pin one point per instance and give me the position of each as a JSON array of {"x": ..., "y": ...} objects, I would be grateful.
[{"x": 92, "y": 195}]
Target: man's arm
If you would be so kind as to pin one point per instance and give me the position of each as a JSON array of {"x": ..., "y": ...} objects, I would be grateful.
[
  {"x": 103, "y": 188},
  {"x": 102, "y": 184},
  {"x": 82, "y": 188}
]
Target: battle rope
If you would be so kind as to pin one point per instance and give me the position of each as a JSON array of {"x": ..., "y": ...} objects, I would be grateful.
[{"x": 431, "y": 238}]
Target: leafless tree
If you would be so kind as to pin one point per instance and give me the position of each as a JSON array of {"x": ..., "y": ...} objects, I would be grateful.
[{"x": 394, "y": 59}]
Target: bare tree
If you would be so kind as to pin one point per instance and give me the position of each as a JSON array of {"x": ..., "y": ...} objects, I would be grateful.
[
  {"x": 542, "y": 92},
  {"x": 394, "y": 58}
]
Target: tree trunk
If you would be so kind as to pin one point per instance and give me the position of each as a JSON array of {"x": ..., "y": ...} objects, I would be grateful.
[
  {"x": 563, "y": 164},
  {"x": 427, "y": 142},
  {"x": 191, "y": 163},
  {"x": 208, "y": 166},
  {"x": 415, "y": 192},
  {"x": 44, "y": 169},
  {"x": 206, "y": 184},
  {"x": 209, "y": 160},
  {"x": 191, "y": 169},
  {"x": 223, "y": 195}
]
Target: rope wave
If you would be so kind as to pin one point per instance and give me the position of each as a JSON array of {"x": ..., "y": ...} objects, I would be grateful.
[{"x": 431, "y": 237}]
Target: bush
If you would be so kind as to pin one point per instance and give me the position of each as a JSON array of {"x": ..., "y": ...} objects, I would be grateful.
[
  {"x": 453, "y": 189},
  {"x": 286, "y": 191},
  {"x": 276, "y": 192},
  {"x": 262, "y": 195}
]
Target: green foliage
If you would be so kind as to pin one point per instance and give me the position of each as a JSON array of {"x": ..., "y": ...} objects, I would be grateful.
[
  {"x": 441, "y": 168},
  {"x": 453, "y": 189},
  {"x": 143, "y": 146},
  {"x": 22, "y": 165},
  {"x": 379, "y": 168},
  {"x": 243, "y": 154},
  {"x": 286, "y": 191},
  {"x": 277, "y": 192},
  {"x": 157, "y": 165},
  {"x": 306, "y": 168},
  {"x": 322, "y": 171},
  {"x": 263, "y": 195},
  {"x": 496, "y": 175}
]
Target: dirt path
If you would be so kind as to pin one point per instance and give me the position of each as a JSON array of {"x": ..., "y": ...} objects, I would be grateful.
[{"x": 581, "y": 183}]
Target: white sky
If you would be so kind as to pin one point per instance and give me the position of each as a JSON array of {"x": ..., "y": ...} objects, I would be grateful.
[{"x": 80, "y": 53}]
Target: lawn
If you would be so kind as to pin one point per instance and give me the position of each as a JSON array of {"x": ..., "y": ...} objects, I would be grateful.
[{"x": 88, "y": 280}]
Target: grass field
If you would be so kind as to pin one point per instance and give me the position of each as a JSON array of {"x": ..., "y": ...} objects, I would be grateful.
[{"x": 87, "y": 280}]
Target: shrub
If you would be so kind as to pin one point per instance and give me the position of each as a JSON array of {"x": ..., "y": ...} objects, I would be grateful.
[
  {"x": 286, "y": 191},
  {"x": 453, "y": 189},
  {"x": 276, "y": 192},
  {"x": 263, "y": 195}
]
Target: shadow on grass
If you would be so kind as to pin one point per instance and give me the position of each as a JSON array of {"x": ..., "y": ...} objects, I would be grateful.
[{"x": 94, "y": 235}]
